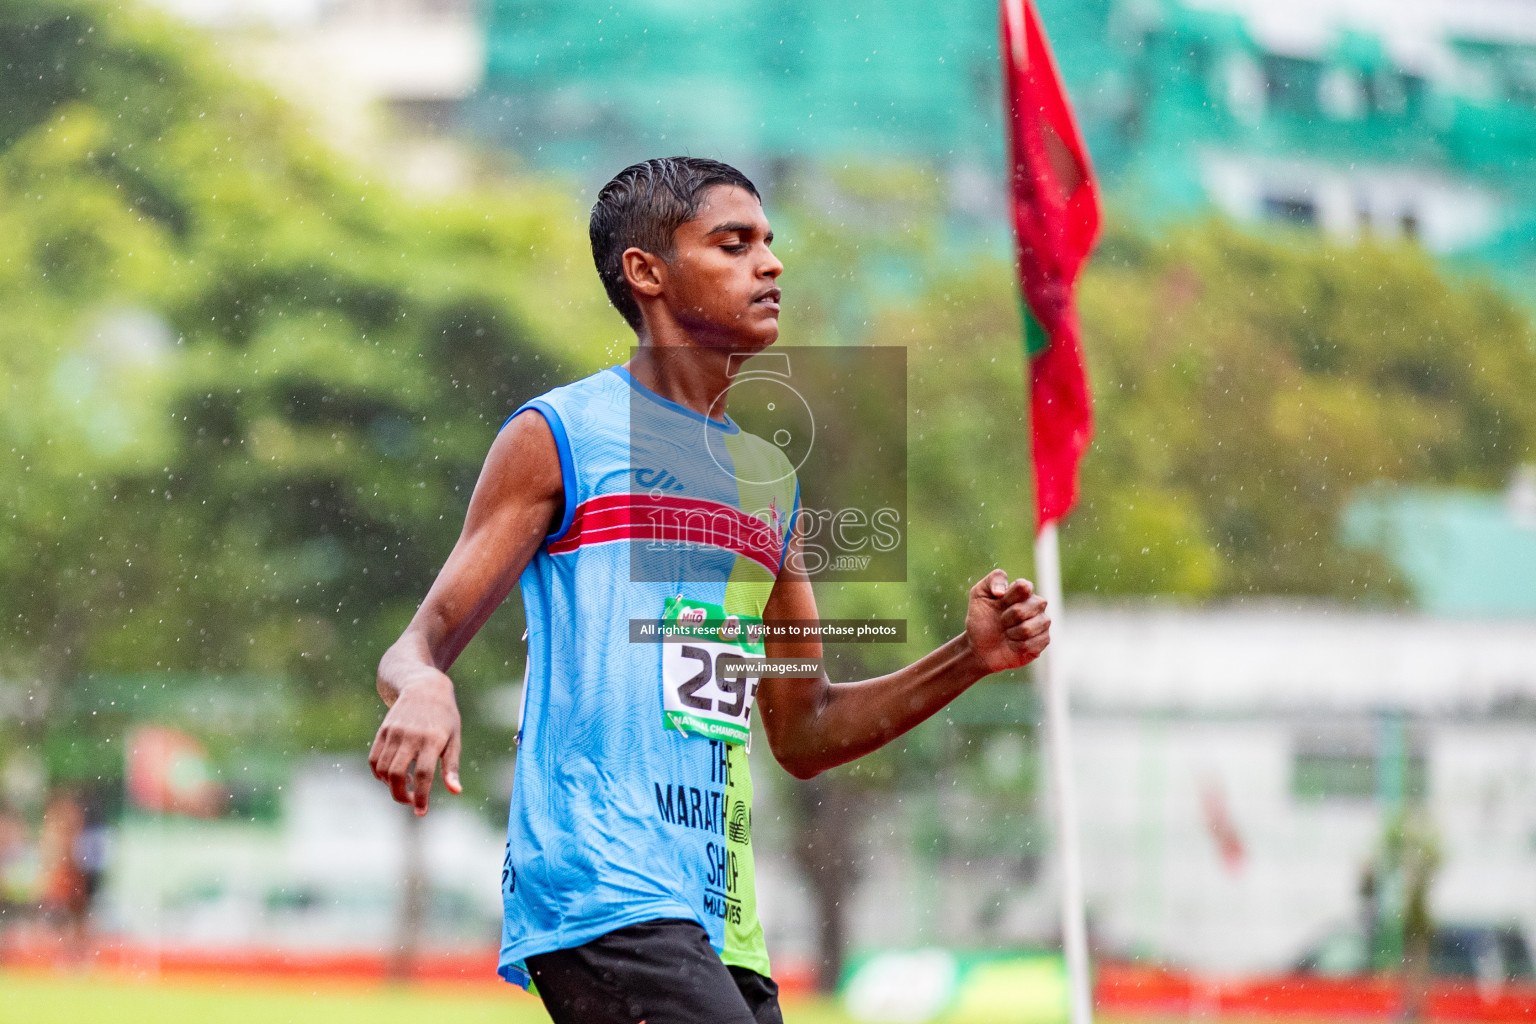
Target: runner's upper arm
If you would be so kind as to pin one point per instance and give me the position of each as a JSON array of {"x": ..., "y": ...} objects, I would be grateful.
[{"x": 518, "y": 499}]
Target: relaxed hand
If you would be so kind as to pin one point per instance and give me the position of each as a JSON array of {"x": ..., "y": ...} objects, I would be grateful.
[{"x": 421, "y": 728}]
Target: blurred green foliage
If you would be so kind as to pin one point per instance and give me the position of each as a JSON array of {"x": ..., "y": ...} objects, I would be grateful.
[
  {"x": 248, "y": 391},
  {"x": 1247, "y": 386}
]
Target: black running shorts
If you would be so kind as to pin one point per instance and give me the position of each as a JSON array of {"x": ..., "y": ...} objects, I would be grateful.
[{"x": 657, "y": 972}]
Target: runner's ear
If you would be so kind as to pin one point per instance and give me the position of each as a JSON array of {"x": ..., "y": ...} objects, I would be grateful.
[{"x": 645, "y": 272}]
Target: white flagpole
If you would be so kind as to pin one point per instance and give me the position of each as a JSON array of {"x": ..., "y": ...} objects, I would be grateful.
[
  {"x": 1074, "y": 929},
  {"x": 1058, "y": 726}
]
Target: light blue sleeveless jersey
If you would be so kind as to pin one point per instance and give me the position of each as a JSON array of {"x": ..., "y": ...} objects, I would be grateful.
[{"x": 614, "y": 818}]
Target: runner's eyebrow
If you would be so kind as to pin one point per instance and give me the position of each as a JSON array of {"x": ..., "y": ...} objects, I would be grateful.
[{"x": 738, "y": 226}]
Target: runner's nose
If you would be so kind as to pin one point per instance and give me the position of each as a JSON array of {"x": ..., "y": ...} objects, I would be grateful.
[{"x": 772, "y": 268}]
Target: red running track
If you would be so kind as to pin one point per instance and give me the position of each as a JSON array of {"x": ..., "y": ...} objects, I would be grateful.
[{"x": 1129, "y": 990}]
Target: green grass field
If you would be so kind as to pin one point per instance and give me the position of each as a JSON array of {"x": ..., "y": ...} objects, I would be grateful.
[
  {"x": 38, "y": 998},
  {"x": 35, "y": 997}
]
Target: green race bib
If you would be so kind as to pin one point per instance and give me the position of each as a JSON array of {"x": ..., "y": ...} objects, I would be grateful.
[{"x": 702, "y": 692}]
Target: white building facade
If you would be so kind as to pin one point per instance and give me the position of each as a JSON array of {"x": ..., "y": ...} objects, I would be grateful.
[{"x": 1237, "y": 769}]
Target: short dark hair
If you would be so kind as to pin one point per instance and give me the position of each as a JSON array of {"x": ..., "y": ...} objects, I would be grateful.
[{"x": 643, "y": 206}]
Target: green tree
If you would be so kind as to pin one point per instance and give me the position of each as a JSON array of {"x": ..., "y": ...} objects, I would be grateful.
[
  {"x": 251, "y": 389},
  {"x": 1247, "y": 386}
]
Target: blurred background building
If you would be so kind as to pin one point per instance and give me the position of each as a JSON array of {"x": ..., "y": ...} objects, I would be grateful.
[
  {"x": 383, "y": 79},
  {"x": 1413, "y": 120},
  {"x": 321, "y": 870},
  {"x": 1239, "y": 769}
]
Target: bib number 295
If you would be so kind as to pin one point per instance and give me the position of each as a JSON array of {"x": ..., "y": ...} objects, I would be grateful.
[
  {"x": 703, "y": 695},
  {"x": 712, "y": 669}
]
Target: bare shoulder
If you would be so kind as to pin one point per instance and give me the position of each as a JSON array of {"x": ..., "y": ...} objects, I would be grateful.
[{"x": 522, "y": 467}]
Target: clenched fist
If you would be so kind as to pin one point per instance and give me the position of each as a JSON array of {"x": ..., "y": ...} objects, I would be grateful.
[{"x": 1005, "y": 623}]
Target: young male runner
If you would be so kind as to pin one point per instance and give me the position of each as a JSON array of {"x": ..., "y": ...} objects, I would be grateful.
[{"x": 631, "y": 495}]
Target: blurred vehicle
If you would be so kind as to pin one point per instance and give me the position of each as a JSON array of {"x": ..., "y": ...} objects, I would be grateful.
[{"x": 1488, "y": 954}]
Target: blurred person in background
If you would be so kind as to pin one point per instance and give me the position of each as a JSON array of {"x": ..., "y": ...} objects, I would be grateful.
[
  {"x": 92, "y": 851},
  {"x": 65, "y": 884},
  {"x": 1370, "y": 911}
]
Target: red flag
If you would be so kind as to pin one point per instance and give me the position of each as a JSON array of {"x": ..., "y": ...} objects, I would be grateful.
[
  {"x": 1219, "y": 823},
  {"x": 1055, "y": 219}
]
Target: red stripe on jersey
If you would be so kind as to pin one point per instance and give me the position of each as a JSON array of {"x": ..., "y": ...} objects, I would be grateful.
[{"x": 619, "y": 517}]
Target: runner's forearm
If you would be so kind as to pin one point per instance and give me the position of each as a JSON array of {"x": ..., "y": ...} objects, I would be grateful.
[
  {"x": 848, "y": 720},
  {"x": 445, "y": 623}
]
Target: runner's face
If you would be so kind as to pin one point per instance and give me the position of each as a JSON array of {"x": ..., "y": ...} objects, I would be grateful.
[{"x": 722, "y": 281}]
